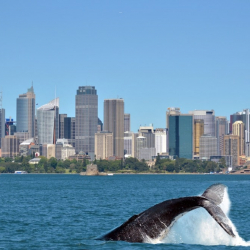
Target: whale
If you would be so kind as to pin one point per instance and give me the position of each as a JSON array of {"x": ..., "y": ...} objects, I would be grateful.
[{"x": 156, "y": 222}]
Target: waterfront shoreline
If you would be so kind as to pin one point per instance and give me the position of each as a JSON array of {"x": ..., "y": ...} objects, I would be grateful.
[{"x": 146, "y": 173}]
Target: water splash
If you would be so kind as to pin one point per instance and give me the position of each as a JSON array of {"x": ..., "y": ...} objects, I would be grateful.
[{"x": 198, "y": 227}]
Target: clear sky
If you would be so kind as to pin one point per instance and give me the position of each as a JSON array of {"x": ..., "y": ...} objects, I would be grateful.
[{"x": 153, "y": 54}]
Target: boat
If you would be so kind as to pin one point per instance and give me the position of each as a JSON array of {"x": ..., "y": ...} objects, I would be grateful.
[
  {"x": 20, "y": 172},
  {"x": 110, "y": 174}
]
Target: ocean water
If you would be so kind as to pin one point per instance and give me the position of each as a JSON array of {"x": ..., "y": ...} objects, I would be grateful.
[{"x": 70, "y": 211}]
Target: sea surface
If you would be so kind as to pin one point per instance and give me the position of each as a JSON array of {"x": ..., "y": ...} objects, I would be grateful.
[{"x": 59, "y": 211}]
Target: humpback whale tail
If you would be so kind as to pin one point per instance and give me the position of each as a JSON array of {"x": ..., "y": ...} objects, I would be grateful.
[
  {"x": 214, "y": 197},
  {"x": 157, "y": 220}
]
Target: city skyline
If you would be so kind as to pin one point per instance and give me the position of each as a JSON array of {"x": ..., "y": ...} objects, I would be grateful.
[
  {"x": 198, "y": 111},
  {"x": 154, "y": 55}
]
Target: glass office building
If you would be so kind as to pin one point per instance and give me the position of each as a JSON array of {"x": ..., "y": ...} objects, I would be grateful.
[
  {"x": 243, "y": 116},
  {"x": 25, "y": 113},
  {"x": 180, "y": 129},
  {"x": 86, "y": 114},
  {"x": 69, "y": 129},
  {"x": 209, "y": 120},
  {"x": 48, "y": 122}
]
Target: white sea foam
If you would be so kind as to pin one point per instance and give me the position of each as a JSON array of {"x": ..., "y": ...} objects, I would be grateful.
[{"x": 198, "y": 227}]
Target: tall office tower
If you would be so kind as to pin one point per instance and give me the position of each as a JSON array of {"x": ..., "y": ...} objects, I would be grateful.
[
  {"x": 10, "y": 146},
  {"x": 148, "y": 132},
  {"x": 180, "y": 133},
  {"x": 198, "y": 132},
  {"x": 208, "y": 147},
  {"x": 209, "y": 120},
  {"x": 244, "y": 117},
  {"x": 114, "y": 122},
  {"x": 103, "y": 145},
  {"x": 69, "y": 130},
  {"x": 25, "y": 113},
  {"x": 86, "y": 120},
  {"x": 238, "y": 116},
  {"x": 221, "y": 129},
  {"x": 48, "y": 122},
  {"x": 61, "y": 125},
  {"x": 126, "y": 122},
  {"x": 130, "y": 144},
  {"x": 239, "y": 129},
  {"x": 141, "y": 142},
  {"x": 160, "y": 140},
  {"x": 2, "y": 124},
  {"x": 231, "y": 147}
]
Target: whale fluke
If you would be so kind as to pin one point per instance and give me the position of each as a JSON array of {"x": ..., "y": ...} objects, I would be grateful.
[
  {"x": 157, "y": 220},
  {"x": 214, "y": 195}
]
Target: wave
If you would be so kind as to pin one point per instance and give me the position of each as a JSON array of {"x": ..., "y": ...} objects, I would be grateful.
[{"x": 198, "y": 227}]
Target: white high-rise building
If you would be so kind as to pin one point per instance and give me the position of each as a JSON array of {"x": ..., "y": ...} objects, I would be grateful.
[{"x": 160, "y": 140}]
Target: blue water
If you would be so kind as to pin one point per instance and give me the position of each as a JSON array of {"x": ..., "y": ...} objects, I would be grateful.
[{"x": 70, "y": 211}]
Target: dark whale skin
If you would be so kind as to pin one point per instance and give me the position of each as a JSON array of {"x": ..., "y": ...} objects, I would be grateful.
[
  {"x": 158, "y": 219},
  {"x": 154, "y": 220}
]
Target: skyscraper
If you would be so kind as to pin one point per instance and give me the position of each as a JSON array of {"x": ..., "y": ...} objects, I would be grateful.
[
  {"x": 208, "y": 147},
  {"x": 86, "y": 114},
  {"x": 231, "y": 147},
  {"x": 61, "y": 125},
  {"x": 2, "y": 124},
  {"x": 148, "y": 132},
  {"x": 180, "y": 133},
  {"x": 243, "y": 116},
  {"x": 239, "y": 129},
  {"x": 48, "y": 122},
  {"x": 25, "y": 113},
  {"x": 221, "y": 129},
  {"x": 198, "y": 132},
  {"x": 209, "y": 120},
  {"x": 103, "y": 145},
  {"x": 141, "y": 142},
  {"x": 126, "y": 122},
  {"x": 114, "y": 122},
  {"x": 160, "y": 140},
  {"x": 69, "y": 130}
]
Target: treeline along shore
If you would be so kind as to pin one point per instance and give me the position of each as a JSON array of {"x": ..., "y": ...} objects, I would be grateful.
[{"x": 129, "y": 165}]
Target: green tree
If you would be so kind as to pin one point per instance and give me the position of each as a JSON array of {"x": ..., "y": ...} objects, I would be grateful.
[
  {"x": 222, "y": 163},
  {"x": 53, "y": 162},
  {"x": 158, "y": 160},
  {"x": 66, "y": 163}
]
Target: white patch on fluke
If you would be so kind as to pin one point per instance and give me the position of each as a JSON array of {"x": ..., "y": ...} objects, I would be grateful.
[{"x": 198, "y": 227}]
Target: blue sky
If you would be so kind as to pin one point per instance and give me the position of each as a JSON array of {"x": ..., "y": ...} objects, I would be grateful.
[{"x": 153, "y": 54}]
